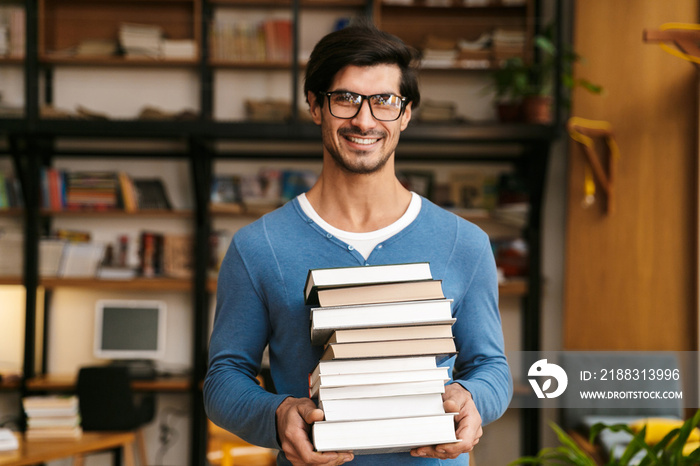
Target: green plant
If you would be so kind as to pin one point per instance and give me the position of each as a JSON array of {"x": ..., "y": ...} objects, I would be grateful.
[
  {"x": 516, "y": 79},
  {"x": 667, "y": 452}
]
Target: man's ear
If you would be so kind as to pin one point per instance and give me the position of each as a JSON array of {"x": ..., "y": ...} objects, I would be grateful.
[
  {"x": 315, "y": 108},
  {"x": 406, "y": 117}
]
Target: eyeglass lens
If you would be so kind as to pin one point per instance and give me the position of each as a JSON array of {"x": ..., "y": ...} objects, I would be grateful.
[{"x": 385, "y": 107}]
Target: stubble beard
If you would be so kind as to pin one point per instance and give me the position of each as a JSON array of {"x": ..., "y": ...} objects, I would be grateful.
[{"x": 359, "y": 168}]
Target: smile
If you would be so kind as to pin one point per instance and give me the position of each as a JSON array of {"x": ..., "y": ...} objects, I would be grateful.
[{"x": 362, "y": 140}]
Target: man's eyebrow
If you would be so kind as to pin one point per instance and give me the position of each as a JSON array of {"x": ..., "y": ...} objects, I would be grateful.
[{"x": 376, "y": 93}]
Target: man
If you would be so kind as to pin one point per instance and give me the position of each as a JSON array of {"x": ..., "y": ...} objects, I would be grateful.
[{"x": 361, "y": 89}]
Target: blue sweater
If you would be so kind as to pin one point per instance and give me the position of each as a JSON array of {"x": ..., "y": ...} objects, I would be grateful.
[{"x": 260, "y": 300}]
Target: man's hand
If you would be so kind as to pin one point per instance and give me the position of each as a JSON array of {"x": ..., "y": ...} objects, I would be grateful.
[
  {"x": 294, "y": 419},
  {"x": 467, "y": 425}
]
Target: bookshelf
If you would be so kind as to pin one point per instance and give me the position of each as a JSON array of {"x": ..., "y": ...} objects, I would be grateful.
[{"x": 219, "y": 131}]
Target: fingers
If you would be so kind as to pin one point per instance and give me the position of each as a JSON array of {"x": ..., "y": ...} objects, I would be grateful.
[
  {"x": 294, "y": 419},
  {"x": 468, "y": 428}
]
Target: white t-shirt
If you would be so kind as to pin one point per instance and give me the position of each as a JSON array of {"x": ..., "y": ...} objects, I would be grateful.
[{"x": 365, "y": 242}]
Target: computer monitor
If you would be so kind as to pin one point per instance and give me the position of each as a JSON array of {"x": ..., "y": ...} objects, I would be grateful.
[{"x": 130, "y": 329}]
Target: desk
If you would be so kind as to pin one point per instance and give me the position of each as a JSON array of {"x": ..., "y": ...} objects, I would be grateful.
[
  {"x": 40, "y": 451},
  {"x": 66, "y": 383}
]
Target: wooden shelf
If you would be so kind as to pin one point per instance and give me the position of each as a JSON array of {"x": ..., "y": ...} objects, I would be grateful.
[
  {"x": 117, "y": 61},
  {"x": 66, "y": 382},
  {"x": 136, "y": 284},
  {"x": 11, "y": 281},
  {"x": 288, "y": 3},
  {"x": 251, "y": 65},
  {"x": 145, "y": 213},
  {"x": 11, "y": 212},
  {"x": 11, "y": 61},
  {"x": 513, "y": 287}
]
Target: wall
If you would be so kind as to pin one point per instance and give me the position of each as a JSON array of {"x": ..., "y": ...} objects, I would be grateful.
[{"x": 630, "y": 277}]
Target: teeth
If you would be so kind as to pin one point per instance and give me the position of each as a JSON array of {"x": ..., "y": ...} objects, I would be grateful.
[{"x": 362, "y": 141}]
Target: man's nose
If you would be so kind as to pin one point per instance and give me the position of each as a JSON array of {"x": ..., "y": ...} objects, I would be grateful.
[{"x": 364, "y": 118}]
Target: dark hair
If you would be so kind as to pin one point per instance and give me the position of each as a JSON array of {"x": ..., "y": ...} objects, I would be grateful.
[{"x": 361, "y": 44}]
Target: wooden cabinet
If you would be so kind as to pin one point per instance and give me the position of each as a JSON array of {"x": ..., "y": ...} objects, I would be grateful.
[{"x": 65, "y": 26}]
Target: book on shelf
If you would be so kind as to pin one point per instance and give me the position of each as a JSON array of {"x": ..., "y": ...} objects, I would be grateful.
[
  {"x": 141, "y": 40},
  {"x": 183, "y": 49},
  {"x": 380, "y": 349},
  {"x": 418, "y": 290},
  {"x": 324, "y": 321},
  {"x": 116, "y": 272},
  {"x": 50, "y": 405},
  {"x": 355, "y": 335},
  {"x": 8, "y": 440},
  {"x": 54, "y": 433},
  {"x": 374, "y": 378},
  {"x": 151, "y": 194},
  {"x": 384, "y": 407},
  {"x": 92, "y": 190},
  {"x": 50, "y": 256},
  {"x": 11, "y": 251},
  {"x": 384, "y": 435},
  {"x": 317, "y": 279},
  {"x": 81, "y": 260},
  {"x": 52, "y": 417},
  {"x": 353, "y": 366},
  {"x": 381, "y": 390}
]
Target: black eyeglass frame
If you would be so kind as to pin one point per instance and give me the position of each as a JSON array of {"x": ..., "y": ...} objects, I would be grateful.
[{"x": 404, "y": 101}]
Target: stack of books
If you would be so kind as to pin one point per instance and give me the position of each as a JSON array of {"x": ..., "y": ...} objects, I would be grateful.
[
  {"x": 52, "y": 417},
  {"x": 141, "y": 40},
  {"x": 378, "y": 381}
]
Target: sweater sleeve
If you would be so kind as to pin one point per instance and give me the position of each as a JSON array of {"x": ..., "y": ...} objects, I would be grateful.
[
  {"x": 481, "y": 366},
  {"x": 233, "y": 398}
]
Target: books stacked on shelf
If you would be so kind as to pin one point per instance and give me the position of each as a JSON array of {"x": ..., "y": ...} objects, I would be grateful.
[
  {"x": 182, "y": 49},
  {"x": 12, "y": 31},
  {"x": 10, "y": 192},
  {"x": 260, "y": 192},
  {"x": 252, "y": 41},
  {"x": 508, "y": 43},
  {"x": 52, "y": 417},
  {"x": 11, "y": 251},
  {"x": 378, "y": 382},
  {"x": 165, "y": 255},
  {"x": 91, "y": 190},
  {"x": 8, "y": 441},
  {"x": 141, "y": 40}
]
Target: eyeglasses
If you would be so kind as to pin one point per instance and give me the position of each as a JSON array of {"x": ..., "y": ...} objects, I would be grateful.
[{"x": 384, "y": 107}]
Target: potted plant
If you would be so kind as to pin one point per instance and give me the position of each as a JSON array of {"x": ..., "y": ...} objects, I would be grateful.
[
  {"x": 510, "y": 83},
  {"x": 531, "y": 85},
  {"x": 671, "y": 450}
]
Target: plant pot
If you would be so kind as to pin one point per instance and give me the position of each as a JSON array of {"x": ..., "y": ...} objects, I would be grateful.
[
  {"x": 537, "y": 109},
  {"x": 509, "y": 112}
]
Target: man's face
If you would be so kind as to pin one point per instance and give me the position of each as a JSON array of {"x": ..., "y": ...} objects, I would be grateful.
[{"x": 361, "y": 144}]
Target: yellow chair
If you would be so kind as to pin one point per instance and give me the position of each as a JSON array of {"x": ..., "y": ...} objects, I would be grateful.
[{"x": 227, "y": 449}]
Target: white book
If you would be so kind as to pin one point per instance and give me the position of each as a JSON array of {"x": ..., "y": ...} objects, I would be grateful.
[
  {"x": 349, "y": 276},
  {"x": 384, "y": 435},
  {"x": 8, "y": 440},
  {"x": 81, "y": 259},
  {"x": 325, "y": 320},
  {"x": 372, "y": 378},
  {"x": 350, "y": 366},
  {"x": 385, "y": 407},
  {"x": 384, "y": 389}
]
